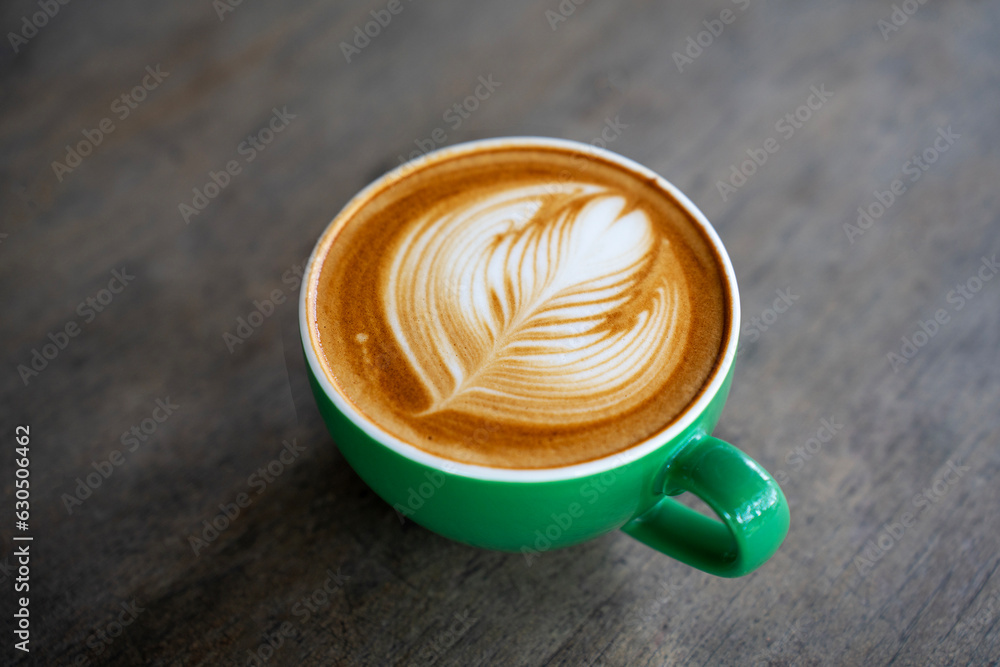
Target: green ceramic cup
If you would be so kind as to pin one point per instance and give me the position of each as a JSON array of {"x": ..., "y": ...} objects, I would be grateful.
[{"x": 533, "y": 511}]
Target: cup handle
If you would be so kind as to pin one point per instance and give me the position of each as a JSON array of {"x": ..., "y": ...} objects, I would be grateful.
[{"x": 752, "y": 508}]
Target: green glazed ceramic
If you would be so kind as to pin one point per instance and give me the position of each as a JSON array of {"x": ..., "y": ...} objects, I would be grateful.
[{"x": 532, "y": 511}]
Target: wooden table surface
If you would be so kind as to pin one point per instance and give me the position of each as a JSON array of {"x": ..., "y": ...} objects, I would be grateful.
[{"x": 873, "y": 397}]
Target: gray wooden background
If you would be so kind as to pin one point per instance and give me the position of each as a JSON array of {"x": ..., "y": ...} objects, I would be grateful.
[{"x": 895, "y": 535}]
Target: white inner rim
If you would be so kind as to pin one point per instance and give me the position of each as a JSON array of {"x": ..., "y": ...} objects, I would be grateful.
[{"x": 308, "y": 332}]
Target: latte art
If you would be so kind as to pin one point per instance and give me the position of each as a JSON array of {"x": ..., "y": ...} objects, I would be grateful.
[
  {"x": 517, "y": 306},
  {"x": 532, "y": 304}
]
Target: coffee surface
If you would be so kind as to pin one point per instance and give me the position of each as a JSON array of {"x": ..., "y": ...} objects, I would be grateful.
[{"x": 519, "y": 307}]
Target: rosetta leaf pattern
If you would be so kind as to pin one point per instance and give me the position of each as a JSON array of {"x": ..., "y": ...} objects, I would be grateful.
[{"x": 533, "y": 301}]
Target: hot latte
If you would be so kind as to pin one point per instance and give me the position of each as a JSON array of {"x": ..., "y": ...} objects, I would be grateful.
[{"x": 518, "y": 306}]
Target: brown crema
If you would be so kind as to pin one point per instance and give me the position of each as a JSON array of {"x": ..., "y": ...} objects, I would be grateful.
[{"x": 519, "y": 306}]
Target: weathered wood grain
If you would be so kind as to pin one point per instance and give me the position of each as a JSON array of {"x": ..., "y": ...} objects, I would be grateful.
[{"x": 385, "y": 593}]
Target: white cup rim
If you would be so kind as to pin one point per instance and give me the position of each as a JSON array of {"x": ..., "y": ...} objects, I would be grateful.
[{"x": 476, "y": 471}]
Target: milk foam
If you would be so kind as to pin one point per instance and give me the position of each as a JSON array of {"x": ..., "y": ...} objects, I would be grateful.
[
  {"x": 537, "y": 304},
  {"x": 519, "y": 306}
]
